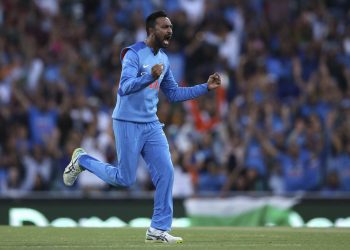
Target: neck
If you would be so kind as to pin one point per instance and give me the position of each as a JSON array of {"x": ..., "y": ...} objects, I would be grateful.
[{"x": 152, "y": 44}]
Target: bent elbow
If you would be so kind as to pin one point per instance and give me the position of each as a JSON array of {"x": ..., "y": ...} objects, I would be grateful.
[
  {"x": 173, "y": 99},
  {"x": 172, "y": 96}
]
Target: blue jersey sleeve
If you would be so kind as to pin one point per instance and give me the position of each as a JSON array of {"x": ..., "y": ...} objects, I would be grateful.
[
  {"x": 174, "y": 93},
  {"x": 130, "y": 82}
]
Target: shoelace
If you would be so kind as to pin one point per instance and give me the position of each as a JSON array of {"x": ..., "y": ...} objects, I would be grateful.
[
  {"x": 74, "y": 170},
  {"x": 165, "y": 234}
]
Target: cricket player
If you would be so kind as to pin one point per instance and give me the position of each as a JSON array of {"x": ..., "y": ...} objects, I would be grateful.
[{"x": 137, "y": 129}]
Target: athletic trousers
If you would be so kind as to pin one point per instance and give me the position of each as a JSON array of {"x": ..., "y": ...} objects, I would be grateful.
[{"x": 149, "y": 140}]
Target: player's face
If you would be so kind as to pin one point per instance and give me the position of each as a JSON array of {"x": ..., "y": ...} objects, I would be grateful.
[{"x": 163, "y": 31}]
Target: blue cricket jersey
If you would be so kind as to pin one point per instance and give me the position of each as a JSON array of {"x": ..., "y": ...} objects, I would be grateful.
[{"x": 137, "y": 96}]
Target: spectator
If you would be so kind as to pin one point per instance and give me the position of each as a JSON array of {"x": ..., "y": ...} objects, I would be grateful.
[
  {"x": 281, "y": 118},
  {"x": 211, "y": 178},
  {"x": 38, "y": 170}
]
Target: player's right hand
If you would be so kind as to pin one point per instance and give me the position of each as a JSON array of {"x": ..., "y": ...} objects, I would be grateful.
[{"x": 157, "y": 70}]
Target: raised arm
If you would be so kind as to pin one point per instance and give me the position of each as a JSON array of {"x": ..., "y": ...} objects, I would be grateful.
[
  {"x": 130, "y": 82},
  {"x": 176, "y": 94}
]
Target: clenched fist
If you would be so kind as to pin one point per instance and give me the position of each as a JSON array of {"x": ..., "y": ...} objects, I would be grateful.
[
  {"x": 157, "y": 70},
  {"x": 214, "y": 81}
]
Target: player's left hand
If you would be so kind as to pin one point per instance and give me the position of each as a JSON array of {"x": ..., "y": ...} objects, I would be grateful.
[{"x": 214, "y": 81}]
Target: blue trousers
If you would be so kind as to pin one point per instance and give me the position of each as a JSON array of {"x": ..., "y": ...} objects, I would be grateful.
[{"x": 133, "y": 139}]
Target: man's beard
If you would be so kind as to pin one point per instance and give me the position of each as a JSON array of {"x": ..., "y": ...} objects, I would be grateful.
[{"x": 161, "y": 42}]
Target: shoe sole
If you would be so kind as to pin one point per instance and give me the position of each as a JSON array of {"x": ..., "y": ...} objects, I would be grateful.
[{"x": 164, "y": 242}]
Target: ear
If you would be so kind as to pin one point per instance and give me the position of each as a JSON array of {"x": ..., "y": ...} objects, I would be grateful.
[{"x": 151, "y": 30}]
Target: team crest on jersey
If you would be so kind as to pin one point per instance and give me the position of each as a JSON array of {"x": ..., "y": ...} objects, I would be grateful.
[{"x": 155, "y": 85}]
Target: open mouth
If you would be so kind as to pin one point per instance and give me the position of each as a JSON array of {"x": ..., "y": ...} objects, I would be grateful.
[{"x": 166, "y": 40}]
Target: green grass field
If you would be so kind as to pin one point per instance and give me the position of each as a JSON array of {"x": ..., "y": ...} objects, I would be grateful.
[{"x": 194, "y": 238}]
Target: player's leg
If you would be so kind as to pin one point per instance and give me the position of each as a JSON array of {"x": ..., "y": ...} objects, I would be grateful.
[
  {"x": 157, "y": 156},
  {"x": 128, "y": 148}
]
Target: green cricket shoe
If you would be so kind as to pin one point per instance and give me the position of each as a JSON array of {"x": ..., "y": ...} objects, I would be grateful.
[
  {"x": 73, "y": 169},
  {"x": 158, "y": 236}
]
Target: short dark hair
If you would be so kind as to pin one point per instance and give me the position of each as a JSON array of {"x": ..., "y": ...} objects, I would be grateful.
[{"x": 151, "y": 19}]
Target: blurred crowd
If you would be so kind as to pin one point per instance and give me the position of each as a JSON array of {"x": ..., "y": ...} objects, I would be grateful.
[{"x": 279, "y": 123}]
